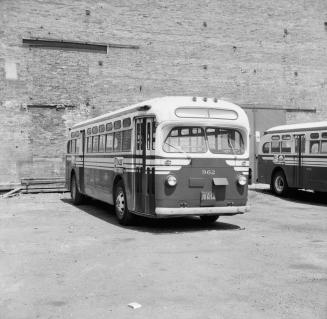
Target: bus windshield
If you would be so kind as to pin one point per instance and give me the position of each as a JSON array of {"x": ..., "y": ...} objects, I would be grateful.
[
  {"x": 196, "y": 140},
  {"x": 225, "y": 141},
  {"x": 185, "y": 140}
]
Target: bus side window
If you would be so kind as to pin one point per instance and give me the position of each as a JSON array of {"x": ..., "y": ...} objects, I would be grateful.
[
  {"x": 109, "y": 143},
  {"x": 148, "y": 135},
  {"x": 127, "y": 140},
  {"x": 117, "y": 141},
  {"x": 323, "y": 147},
  {"x": 266, "y": 148},
  {"x": 73, "y": 148},
  {"x": 153, "y": 134},
  {"x": 275, "y": 147},
  {"x": 102, "y": 143},
  {"x": 95, "y": 147},
  {"x": 286, "y": 146},
  {"x": 138, "y": 137},
  {"x": 89, "y": 144},
  {"x": 314, "y": 147},
  {"x": 297, "y": 139}
]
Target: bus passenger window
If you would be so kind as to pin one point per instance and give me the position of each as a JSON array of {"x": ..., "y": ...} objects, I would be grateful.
[
  {"x": 117, "y": 125},
  {"x": 117, "y": 141},
  {"x": 95, "y": 147},
  {"x": 286, "y": 147},
  {"x": 324, "y": 134},
  {"x": 89, "y": 144},
  {"x": 323, "y": 147},
  {"x": 73, "y": 150},
  {"x": 266, "y": 148},
  {"x": 127, "y": 139},
  {"x": 102, "y": 143},
  {"x": 109, "y": 126},
  {"x": 314, "y": 135},
  {"x": 314, "y": 147},
  {"x": 126, "y": 122},
  {"x": 109, "y": 143},
  {"x": 138, "y": 137},
  {"x": 275, "y": 147},
  {"x": 148, "y": 134},
  {"x": 153, "y": 134}
]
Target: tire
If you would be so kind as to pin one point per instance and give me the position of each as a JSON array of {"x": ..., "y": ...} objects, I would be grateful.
[
  {"x": 279, "y": 184},
  {"x": 209, "y": 219},
  {"x": 77, "y": 197},
  {"x": 123, "y": 215}
]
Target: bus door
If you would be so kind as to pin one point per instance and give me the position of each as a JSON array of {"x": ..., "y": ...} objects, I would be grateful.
[
  {"x": 81, "y": 170},
  {"x": 298, "y": 168},
  {"x": 144, "y": 182}
]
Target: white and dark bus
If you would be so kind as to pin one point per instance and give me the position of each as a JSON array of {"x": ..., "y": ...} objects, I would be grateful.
[
  {"x": 165, "y": 157},
  {"x": 294, "y": 156}
]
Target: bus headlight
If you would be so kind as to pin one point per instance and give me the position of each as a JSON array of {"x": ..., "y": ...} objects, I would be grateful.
[
  {"x": 242, "y": 180},
  {"x": 171, "y": 180}
]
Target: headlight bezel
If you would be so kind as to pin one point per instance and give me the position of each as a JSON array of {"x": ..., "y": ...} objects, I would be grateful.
[
  {"x": 242, "y": 180},
  {"x": 171, "y": 180}
]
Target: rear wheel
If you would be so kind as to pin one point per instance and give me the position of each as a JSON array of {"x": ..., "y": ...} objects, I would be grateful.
[
  {"x": 279, "y": 184},
  {"x": 123, "y": 215},
  {"x": 209, "y": 219},
  {"x": 77, "y": 197}
]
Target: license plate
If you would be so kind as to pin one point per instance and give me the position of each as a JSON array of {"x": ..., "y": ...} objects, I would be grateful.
[{"x": 207, "y": 198}]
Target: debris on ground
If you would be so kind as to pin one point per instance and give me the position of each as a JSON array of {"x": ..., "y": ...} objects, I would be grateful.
[
  {"x": 134, "y": 305},
  {"x": 12, "y": 193}
]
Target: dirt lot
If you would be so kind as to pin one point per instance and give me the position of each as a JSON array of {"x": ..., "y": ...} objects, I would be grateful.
[{"x": 61, "y": 261}]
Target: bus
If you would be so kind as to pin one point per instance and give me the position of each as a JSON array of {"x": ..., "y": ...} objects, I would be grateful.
[
  {"x": 294, "y": 156},
  {"x": 165, "y": 157}
]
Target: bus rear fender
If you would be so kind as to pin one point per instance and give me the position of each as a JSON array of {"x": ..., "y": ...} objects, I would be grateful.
[{"x": 72, "y": 173}]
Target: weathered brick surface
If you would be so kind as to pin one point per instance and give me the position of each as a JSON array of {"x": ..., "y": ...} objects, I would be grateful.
[{"x": 272, "y": 53}]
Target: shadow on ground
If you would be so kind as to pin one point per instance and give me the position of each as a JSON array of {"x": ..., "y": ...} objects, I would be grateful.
[
  {"x": 299, "y": 196},
  {"x": 106, "y": 213}
]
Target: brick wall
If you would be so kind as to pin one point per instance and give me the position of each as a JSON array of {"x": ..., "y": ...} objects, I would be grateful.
[{"x": 272, "y": 53}]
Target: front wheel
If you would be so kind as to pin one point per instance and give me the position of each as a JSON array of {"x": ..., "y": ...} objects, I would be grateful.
[
  {"x": 209, "y": 219},
  {"x": 279, "y": 184},
  {"x": 123, "y": 215}
]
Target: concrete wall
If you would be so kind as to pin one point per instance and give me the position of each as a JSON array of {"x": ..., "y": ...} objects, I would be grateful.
[{"x": 249, "y": 51}]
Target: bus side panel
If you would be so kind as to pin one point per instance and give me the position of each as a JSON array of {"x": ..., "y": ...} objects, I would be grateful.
[
  {"x": 315, "y": 177},
  {"x": 99, "y": 183},
  {"x": 265, "y": 169}
]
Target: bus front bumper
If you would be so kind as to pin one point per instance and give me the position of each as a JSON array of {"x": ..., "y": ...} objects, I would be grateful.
[{"x": 198, "y": 211}]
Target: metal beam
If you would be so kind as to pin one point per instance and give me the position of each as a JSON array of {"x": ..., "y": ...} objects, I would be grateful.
[
  {"x": 277, "y": 107},
  {"x": 75, "y": 45}
]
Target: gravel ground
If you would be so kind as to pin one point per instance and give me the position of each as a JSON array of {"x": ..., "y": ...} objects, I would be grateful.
[{"x": 62, "y": 261}]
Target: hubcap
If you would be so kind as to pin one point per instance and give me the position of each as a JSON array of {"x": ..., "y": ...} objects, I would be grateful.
[
  {"x": 279, "y": 184},
  {"x": 120, "y": 204}
]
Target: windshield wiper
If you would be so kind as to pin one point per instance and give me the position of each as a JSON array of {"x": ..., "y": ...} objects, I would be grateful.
[
  {"x": 231, "y": 146},
  {"x": 179, "y": 150}
]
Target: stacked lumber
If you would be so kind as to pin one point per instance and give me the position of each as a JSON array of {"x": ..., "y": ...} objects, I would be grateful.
[{"x": 43, "y": 185}]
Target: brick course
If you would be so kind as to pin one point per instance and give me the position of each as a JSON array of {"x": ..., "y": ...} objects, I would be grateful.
[{"x": 272, "y": 53}]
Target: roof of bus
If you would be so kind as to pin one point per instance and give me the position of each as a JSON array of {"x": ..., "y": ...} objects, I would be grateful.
[
  {"x": 298, "y": 127},
  {"x": 163, "y": 108}
]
